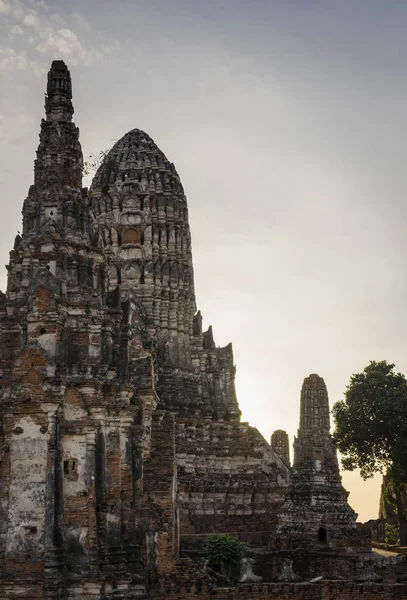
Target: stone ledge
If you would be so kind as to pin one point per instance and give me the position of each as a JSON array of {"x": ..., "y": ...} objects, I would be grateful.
[{"x": 390, "y": 547}]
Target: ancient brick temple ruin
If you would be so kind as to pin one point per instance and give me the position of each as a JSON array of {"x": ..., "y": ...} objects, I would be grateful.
[
  {"x": 316, "y": 513},
  {"x": 316, "y": 526},
  {"x": 121, "y": 441}
]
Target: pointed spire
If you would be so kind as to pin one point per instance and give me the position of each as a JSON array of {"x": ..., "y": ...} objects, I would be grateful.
[
  {"x": 58, "y": 102},
  {"x": 280, "y": 443},
  {"x": 314, "y": 411},
  {"x": 55, "y": 205},
  {"x": 59, "y": 156},
  {"x": 313, "y": 445}
]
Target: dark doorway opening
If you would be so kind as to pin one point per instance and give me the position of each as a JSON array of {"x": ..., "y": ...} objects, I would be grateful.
[{"x": 322, "y": 535}]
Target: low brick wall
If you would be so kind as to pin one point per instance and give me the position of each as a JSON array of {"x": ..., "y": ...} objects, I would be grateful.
[
  {"x": 286, "y": 591},
  {"x": 328, "y": 590}
]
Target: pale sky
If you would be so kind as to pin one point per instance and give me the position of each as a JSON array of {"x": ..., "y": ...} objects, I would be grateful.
[{"x": 285, "y": 120}]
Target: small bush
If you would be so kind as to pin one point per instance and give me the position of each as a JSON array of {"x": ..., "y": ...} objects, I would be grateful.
[
  {"x": 392, "y": 534},
  {"x": 225, "y": 552}
]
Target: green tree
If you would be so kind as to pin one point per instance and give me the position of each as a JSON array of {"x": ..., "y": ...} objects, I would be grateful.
[
  {"x": 225, "y": 552},
  {"x": 371, "y": 429}
]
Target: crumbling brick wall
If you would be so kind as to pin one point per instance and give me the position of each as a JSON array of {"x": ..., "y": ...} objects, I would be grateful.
[{"x": 229, "y": 481}]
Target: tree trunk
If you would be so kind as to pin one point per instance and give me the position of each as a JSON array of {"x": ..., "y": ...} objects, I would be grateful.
[{"x": 398, "y": 489}]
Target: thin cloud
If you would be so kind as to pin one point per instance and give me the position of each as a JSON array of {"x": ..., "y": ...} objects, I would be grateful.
[
  {"x": 79, "y": 20},
  {"x": 16, "y": 30},
  {"x": 30, "y": 20},
  {"x": 49, "y": 33},
  {"x": 5, "y": 6},
  {"x": 68, "y": 45},
  {"x": 10, "y": 60}
]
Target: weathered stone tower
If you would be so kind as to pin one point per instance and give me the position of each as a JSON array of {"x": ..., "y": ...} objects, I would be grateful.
[
  {"x": 316, "y": 514},
  {"x": 120, "y": 432},
  {"x": 142, "y": 215},
  {"x": 228, "y": 477},
  {"x": 280, "y": 443},
  {"x": 77, "y": 395}
]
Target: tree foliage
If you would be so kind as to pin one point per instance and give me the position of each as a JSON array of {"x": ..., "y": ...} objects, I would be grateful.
[
  {"x": 93, "y": 162},
  {"x": 392, "y": 534},
  {"x": 225, "y": 552},
  {"x": 371, "y": 428}
]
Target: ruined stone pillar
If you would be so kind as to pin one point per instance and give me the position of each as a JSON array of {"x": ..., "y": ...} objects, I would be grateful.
[
  {"x": 128, "y": 530},
  {"x": 53, "y": 488},
  {"x": 91, "y": 491}
]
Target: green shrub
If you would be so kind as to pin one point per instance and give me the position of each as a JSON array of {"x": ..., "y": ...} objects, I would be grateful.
[
  {"x": 224, "y": 553},
  {"x": 392, "y": 534}
]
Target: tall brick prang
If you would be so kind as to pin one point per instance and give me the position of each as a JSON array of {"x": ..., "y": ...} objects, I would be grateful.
[
  {"x": 316, "y": 514},
  {"x": 77, "y": 390}
]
